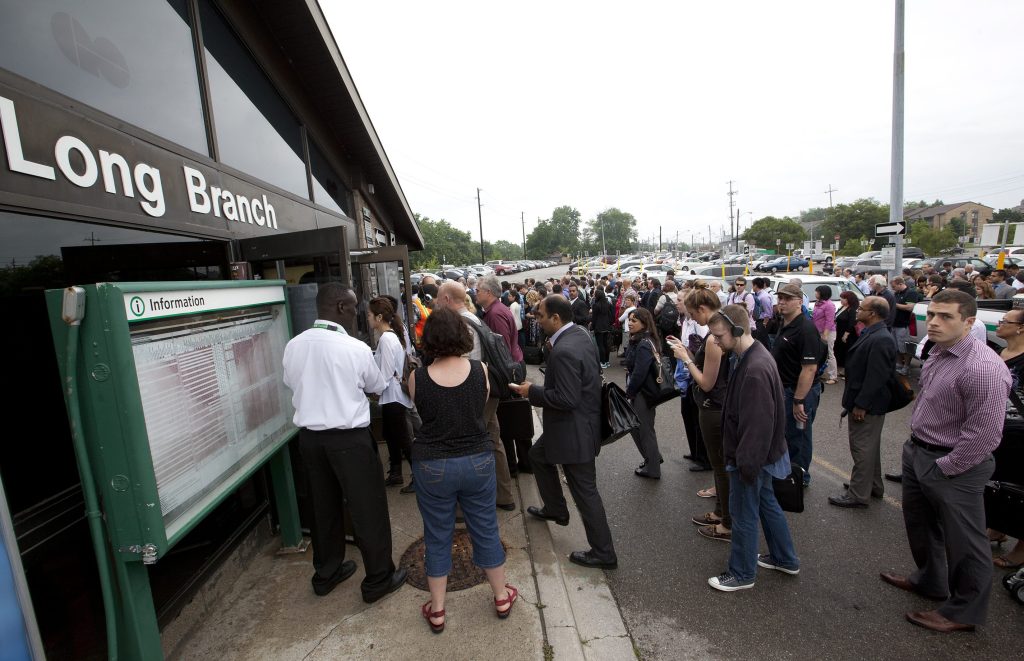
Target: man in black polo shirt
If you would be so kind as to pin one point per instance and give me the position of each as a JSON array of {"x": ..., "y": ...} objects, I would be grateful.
[
  {"x": 905, "y": 298},
  {"x": 798, "y": 352}
]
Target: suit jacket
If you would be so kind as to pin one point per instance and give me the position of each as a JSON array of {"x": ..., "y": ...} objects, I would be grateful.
[
  {"x": 869, "y": 365},
  {"x": 570, "y": 398},
  {"x": 580, "y": 311}
]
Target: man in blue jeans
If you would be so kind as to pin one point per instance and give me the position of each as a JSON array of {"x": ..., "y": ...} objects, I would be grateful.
[
  {"x": 797, "y": 350},
  {"x": 754, "y": 445}
]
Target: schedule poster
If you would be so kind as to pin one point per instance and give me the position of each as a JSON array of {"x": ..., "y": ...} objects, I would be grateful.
[{"x": 214, "y": 401}]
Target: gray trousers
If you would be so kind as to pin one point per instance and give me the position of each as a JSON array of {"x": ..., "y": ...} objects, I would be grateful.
[
  {"x": 865, "y": 448},
  {"x": 945, "y": 520},
  {"x": 646, "y": 438},
  {"x": 582, "y": 481},
  {"x": 504, "y": 478}
]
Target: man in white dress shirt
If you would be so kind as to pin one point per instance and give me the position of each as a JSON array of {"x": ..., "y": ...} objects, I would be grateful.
[{"x": 330, "y": 374}]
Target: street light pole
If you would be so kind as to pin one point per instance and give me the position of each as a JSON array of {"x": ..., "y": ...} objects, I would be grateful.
[{"x": 896, "y": 184}]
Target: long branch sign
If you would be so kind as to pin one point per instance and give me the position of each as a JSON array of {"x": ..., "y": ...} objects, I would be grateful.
[{"x": 65, "y": 162}]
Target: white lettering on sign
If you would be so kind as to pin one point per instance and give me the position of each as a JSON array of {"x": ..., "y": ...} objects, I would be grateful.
[
  {"x": 79, "y": 165},
  {"x": 222, "y": 202},
  {"x": 147, "y": 178},
  {"x": 12, "y": 141}
]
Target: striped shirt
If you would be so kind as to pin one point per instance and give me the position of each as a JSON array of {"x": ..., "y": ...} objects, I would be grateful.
[{"x": 962, "y": 403}]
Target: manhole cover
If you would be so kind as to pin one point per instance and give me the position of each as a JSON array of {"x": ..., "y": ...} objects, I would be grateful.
[{"x": 464, "y": 573}]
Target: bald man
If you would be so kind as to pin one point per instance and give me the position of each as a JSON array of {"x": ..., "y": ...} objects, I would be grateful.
[{"x": 452, "y": 295}]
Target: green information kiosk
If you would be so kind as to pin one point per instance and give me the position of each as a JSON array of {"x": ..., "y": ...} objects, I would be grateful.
[{"x": 175, "y": 396}]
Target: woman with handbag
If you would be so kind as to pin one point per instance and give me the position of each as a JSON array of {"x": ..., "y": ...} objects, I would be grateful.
[
  {"x": 709, "y": 369},
  {"x": 640, "y": 366}
]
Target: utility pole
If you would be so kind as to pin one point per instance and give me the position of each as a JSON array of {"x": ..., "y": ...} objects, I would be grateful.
[
  {"x": 829, "y": 215},
  {"x": 896, "y": 185},
  {"x": 480, "y": 215},
  {"x": 522, "y": 218},
  {"x": 731, "y": 194},
  {"x": 659, "y": 238},
  {"x": 604, "y": 250}
]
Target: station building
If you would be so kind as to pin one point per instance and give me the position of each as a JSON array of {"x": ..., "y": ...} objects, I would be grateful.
[{"x": 158, "y": 140}]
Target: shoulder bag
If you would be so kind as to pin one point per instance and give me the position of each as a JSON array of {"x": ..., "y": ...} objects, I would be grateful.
[{"x": 664, "y": 388}]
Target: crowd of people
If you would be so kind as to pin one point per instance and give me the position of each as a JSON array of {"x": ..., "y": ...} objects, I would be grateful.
[{"x": 749, "y": 366}]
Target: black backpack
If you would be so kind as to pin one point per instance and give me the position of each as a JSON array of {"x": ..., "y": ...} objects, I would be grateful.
[
  {"x": 501, "y": 369},
  {"x": 668, "y": 318}
]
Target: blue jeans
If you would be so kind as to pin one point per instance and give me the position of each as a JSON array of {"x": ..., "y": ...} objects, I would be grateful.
[
  {"x": 747, "y": 503},
  {"x": 469, "y": 481},
  {"x": 801, "y": 441}
]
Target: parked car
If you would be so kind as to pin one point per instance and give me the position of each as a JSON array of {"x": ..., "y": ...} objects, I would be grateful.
[
  {"x": 783, "y": 263},
  {"x": 453, "y": 274},
  {"x": 415, "y": 278}
]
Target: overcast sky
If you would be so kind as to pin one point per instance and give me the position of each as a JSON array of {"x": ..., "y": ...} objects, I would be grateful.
[{"x": 653, "y": 107}]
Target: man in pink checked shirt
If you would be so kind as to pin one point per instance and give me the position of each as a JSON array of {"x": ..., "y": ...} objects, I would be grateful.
[{"x": 957, "y": 422}]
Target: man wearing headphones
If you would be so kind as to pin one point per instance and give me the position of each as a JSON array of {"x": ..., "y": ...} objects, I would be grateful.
[{"x": 754, "y": 445}]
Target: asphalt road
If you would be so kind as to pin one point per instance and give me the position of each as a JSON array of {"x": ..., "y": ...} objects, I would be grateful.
[{"x": 837, "y": 608}]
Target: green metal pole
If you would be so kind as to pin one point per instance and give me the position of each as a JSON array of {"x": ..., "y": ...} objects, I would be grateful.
[{"x": 287, "y": 504}]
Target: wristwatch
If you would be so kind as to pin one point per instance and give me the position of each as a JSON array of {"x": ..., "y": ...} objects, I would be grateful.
[{"x": 799, "y": 401}]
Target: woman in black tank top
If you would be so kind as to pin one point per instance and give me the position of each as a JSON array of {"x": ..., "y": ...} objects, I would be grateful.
[{"x": 453, "y": 463}]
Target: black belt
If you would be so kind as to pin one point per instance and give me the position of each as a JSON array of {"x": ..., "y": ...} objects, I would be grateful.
[{"x": 929, "y": 446}]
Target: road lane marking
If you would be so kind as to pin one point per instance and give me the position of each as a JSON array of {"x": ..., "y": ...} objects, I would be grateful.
[{"x": 846, "y": 476}]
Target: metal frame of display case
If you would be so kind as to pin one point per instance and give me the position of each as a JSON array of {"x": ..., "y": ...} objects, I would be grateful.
[{"x": 118, "y": 445}]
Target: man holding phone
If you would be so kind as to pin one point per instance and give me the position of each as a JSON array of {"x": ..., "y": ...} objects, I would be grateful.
[{"x": 572, "y": 431}]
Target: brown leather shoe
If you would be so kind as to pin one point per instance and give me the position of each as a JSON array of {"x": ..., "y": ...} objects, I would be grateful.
[
  {"x": 936, "y": 622},
  {"x": 903, "y": 583}
]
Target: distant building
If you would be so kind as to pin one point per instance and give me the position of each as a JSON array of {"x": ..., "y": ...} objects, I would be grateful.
[{"x": 973, "y": 215}]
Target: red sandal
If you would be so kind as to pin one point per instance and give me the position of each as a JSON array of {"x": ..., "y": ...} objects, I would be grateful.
[
  {"x": 513, "y": 594},
  {"x": 427, "y": 614}
]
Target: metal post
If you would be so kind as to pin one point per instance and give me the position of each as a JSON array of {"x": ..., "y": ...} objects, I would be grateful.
[
  {"x": 522, "y": 218},
  {"x": 283, "y": 484},
  {"x": 480, "y": 215},
  {"x": 896, "y": 185}
]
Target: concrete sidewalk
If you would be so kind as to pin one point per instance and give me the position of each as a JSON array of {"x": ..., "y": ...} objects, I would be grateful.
[{"x": 564, "y": 611}]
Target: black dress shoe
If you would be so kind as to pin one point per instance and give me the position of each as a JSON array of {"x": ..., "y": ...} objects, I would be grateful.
[
  {"x": 687, "y": 456},
  {"x": 588, "y": 559},
  {"x": 894, "y": 477},
  {"x": 640, "y": 472},
  {"x": 541, "y": 514},
  {"x": 845, "y": 501},
  {"x": 346, "y": 570},
  {"x": 397, "y": 580},
  {"x": 508, "y": 507},
  {"x": 699, "y": 468}
]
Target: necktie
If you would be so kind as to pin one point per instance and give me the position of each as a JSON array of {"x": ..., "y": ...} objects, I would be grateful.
[{"x": 547, "y": 346}]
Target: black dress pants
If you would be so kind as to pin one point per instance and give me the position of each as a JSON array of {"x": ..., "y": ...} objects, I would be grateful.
[
  {"x": 691, "y": 425},
  {"x": 582, "y": 479},
  {"x": 343, "y": 469}
]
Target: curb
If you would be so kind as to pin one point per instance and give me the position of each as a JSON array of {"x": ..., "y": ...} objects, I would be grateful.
[{"x": 580, "y": 618}]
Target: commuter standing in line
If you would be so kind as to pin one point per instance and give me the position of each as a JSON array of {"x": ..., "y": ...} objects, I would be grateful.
[
  {"x": 710, "y": 372},
  {"x": 644, "y": 348},
  {"x": 601, "y": 320},
  {"x": 754, "y": 446},
  {"x": 957, "y": 423},
  {"x": 572, "y": 432},
  {"x": 797, "y": 350},
  {"x": 905, "y": 299},
  {"x": 452, "y": 295},
  {"x": 330, "y": 373},
  {"x": 869, "y": 366},
  {"x": 879, "y": 287},
  {"x": 394, "y": 404},
  {"x": 824, "y": 318}
]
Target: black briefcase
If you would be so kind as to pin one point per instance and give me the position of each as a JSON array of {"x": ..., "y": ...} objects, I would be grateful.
[
  {"x": 515, "y": 418},
  {"x": 532, "y": 355},
  {"x": 1004, "y": 508},
  {"x": 789, "y": 491}
]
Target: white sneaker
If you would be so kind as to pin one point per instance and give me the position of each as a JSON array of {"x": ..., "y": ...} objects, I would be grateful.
[{"x": 726, "y": 582}]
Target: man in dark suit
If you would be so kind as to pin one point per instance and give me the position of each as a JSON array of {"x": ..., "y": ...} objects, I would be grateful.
[
  {"x": 572, "y": 431},
  {"x": 869, "y": 366},
  {"x": 580, "y": 309}
]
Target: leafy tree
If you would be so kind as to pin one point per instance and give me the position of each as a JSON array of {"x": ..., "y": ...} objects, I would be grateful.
[
  {"x": 502, "y": 249},
  {"x": 930, "y": 240},
  {"x": 856, "y": 219},
  {"x": 910, "y": 205},
  {"x": 565, "y": 221},
  {"x": 619, "y": 231},
  {"x": 443, "y": 244},
  {"x": 815, "y": 215},
  {"x": 765, "y": 231},
  {"x": 958, "y": 225},
  {"x": 1011, "y": 215},
  {"x": 543, "y": 241}
]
